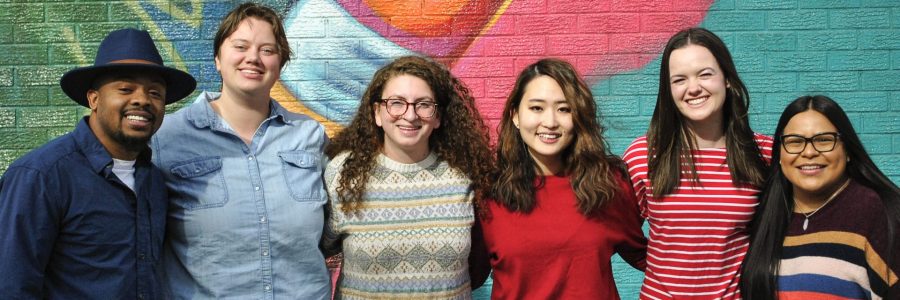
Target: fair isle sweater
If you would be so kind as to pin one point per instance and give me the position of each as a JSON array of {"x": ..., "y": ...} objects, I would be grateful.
[
  {"x": 842, "y": 254},
  {"x": 411, "y": 239}
]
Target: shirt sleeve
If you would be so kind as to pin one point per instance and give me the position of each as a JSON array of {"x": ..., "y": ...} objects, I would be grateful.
[
  {"x": 635, "y": 158},
  {"x": 29, "y": 222}
]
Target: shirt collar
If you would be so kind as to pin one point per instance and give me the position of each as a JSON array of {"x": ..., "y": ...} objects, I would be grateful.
[
  {"x": 97, "y": 155},
  {"x": 201, "y": 113}
]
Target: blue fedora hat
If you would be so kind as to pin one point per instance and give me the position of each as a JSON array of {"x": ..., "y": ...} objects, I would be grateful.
[{"x": 127, "y": 50}]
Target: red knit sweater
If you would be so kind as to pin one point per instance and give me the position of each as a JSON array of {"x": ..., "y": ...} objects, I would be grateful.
[{"x": 555, "y": 252}]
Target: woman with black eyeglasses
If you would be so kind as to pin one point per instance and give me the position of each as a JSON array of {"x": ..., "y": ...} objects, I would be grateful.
[
  {"x": 827, "y": 223},
  {"x": 402, "y": 182}
]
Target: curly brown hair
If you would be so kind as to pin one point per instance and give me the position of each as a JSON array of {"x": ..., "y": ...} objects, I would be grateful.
[
  {"x": 592, "y": 169},
  {"x": 462, "y": 139}
]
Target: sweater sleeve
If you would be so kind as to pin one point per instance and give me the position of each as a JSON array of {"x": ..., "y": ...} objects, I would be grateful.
[
  {"x": 330, "y": 243},
  {"x": 634, "y": 248},
  {"x": 479, "y": 258}
]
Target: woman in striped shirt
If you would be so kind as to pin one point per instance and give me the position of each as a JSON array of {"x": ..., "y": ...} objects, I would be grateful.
[
  {"x": 826, "y": 227},
  {"x": 697, "y": 171}
]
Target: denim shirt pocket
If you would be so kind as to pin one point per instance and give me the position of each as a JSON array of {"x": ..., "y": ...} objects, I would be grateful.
[
  {"x": 201, "y": 183},
  {"x": 302, "y": 175}
]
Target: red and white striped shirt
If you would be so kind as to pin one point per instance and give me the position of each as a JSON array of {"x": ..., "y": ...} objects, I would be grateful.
[{"x": 698, "y": 233}]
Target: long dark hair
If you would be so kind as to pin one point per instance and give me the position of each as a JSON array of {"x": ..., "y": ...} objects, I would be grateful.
[
  {"x": 591, "y": 168},
  {"x": 671, "y": 143},
  {"x": 462, "y": 139},
  {"x": 759, "y": 273}
]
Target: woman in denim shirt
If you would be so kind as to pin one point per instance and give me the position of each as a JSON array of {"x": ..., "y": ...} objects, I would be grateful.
[
  {"x": 402, "y": 181},
  {"x": 244, "y": 176}
]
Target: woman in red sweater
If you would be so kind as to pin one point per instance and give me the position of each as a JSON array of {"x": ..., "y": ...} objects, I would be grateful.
[{"x": 563, "y": 204}]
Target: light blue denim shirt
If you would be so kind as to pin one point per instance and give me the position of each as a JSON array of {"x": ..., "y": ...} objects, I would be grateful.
[{"x": 244, "y": 220}]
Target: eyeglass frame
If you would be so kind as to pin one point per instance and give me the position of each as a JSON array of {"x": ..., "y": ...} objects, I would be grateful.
[
  {"x": 810, "y": 141},
  {"x": 406, "y": 107}
]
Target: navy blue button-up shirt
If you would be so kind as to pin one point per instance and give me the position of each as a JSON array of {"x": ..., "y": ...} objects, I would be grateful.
[{"x": 70, "y": 229}]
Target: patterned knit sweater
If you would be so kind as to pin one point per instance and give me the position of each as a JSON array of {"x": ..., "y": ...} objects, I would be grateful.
[
  {"x": 842, "y": 253},
  {"x": 411, "y": 239}
]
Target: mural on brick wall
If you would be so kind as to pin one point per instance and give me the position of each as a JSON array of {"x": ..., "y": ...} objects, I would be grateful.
[{"x": 340, "y": 44}]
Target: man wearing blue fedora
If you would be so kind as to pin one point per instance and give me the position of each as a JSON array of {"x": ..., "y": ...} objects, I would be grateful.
[{"x": 83, "y": 216}]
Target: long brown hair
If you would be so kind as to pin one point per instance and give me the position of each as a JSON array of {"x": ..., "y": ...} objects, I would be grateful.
[
  {"x": 462, "y": 139},
  {"x": 759, "y": 273},
  {"x": 587, "y": 161},
  {"x": 669, "y": 141}
]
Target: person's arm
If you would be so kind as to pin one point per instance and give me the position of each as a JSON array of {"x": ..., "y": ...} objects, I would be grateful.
[
  {"x": 479, "y": 258},
  {"x": 634, "y": 248},
  {"x": 635, "y": 158},
  {"x": 332, "y": 241},
  {"x": 29, "y": 225}
]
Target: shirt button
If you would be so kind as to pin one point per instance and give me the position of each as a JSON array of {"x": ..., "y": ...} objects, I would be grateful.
[
  {"x": 255, "y": 188},
  {"x": 262, "y": 219},
  {"x": 141, "y": 296},
  {"x": 267, "y": 287},
  {"x": 141, "y": 256},
  {"x": 249, "y": 157},
  {"x": 265, "y": 253}
]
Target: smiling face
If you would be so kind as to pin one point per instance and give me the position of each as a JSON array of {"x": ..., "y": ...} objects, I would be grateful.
[
  {"x": 406, "y": 136},
  {"x": 698, "y": 85},
  {"x": 126, "y": 109},
  {"x": 248, "y": 60},
  {"x": 544, "y": 120},
  {"x": 814, "y": 175}
]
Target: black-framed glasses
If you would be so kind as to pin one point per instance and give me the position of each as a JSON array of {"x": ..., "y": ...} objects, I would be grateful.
[
  {"x": 396, "y": 107},
  {"x": 823, "y": 142}
]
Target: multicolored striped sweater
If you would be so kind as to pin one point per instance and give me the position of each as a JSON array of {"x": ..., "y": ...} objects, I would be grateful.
[
  {"x": 841, "y": 254},
  {"x": 698, "y": 233},
  {"x": 412, "y": 238}
]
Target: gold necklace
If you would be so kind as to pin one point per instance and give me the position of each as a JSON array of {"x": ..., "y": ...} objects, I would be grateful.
[{"x": 834, "y": 195}]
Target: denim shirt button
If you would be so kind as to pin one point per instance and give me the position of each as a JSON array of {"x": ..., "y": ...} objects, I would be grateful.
[
  {"x": 250, "y": 158},
  {"x": 267, "y": 287},
  {"x": 265, "y": 253},
  {"x": 262, "y": 219},
  {"x": 255, "y": 188},
  {"x": 141, "y": 256}
]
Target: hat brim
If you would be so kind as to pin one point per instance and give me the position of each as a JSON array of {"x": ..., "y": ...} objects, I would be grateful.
[{"x": 77, "y": 82}]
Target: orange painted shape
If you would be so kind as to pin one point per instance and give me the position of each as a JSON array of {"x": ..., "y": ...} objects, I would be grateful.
[{"x": 291, "y": 103}]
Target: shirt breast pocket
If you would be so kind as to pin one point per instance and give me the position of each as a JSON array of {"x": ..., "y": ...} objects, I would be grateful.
[
  {"x": 302, "y": 175},
  {"x": 201, "y": 183}
]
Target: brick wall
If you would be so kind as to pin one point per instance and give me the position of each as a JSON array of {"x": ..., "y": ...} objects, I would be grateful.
[{"x": 849, "y": 50}]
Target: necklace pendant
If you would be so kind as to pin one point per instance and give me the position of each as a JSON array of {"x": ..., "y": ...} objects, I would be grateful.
[{"x": 805, "y": 223}]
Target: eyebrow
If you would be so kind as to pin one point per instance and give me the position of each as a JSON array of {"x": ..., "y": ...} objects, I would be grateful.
[{"x": 545, "y": 101}]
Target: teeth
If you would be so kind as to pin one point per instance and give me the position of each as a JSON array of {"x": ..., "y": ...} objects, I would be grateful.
[
  {"x": 249, "y": 72},
  {"x": 810, "y": 167},
  {"x": 136, "y": 118},
  {"x": 549, "y": 135},
  {"x": 697, "y": 101}
]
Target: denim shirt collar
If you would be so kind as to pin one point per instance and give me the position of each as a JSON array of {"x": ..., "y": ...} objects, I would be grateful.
[
  {"x": 97, "y": 155},
  {"x": 201, "y": 113}
]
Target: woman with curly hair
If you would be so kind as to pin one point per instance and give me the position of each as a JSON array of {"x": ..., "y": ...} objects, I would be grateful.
[
  {"x": 563, "y": 204},
  {"x": 402, "y": 181}
]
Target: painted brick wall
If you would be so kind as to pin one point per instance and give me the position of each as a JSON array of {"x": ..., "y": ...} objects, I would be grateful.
[{"x": 847, "y": 49}]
